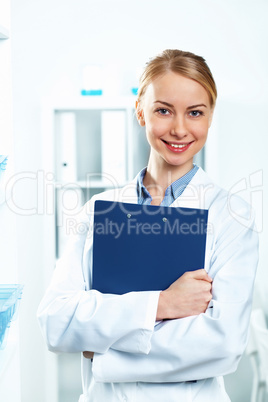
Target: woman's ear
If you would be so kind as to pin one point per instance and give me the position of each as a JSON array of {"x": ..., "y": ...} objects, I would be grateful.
[{"x": 139, "y": 114}]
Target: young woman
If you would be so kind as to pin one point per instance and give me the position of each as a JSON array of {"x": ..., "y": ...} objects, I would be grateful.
[{"x": 173, "y": 345}]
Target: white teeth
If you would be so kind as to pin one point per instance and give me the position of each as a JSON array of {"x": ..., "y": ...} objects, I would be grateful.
[{"x": 178, "y": 145}]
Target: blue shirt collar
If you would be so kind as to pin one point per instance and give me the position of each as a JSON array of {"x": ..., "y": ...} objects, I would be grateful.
[{"x": 172, "y": 192}]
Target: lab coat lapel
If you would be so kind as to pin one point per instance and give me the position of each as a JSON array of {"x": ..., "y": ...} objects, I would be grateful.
[
  {"x": 129, "y": 193},
  {"x": 196, "y": 193}
]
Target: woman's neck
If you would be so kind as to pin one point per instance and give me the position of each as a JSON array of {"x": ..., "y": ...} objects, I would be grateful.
[{"x": 159, "y": 176}]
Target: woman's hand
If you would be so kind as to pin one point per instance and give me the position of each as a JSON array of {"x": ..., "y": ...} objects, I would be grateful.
[
  {"x": 88, "y": 355},
  {"x": 188, "y": 295}
]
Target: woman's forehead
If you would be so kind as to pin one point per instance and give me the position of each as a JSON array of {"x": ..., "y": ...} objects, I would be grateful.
[{"x": 174, "y": 87}]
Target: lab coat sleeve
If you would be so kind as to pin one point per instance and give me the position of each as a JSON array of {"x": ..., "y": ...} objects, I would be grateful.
[
  {"x": 73, "y": 319},
  {"x": 207, "y": 345}
]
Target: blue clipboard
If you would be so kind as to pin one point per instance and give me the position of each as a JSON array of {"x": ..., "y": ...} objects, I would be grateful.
[{"x": 145, "y": 247}]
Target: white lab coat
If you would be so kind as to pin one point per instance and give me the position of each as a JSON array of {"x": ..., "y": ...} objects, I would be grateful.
[{"x": 135, "y": 358}]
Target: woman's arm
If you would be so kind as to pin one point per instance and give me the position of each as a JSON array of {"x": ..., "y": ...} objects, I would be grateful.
[
  {"x": 209, "y": 344},
  {"x": 187, "y": 296},
  {"x": 74, "y": 319}
]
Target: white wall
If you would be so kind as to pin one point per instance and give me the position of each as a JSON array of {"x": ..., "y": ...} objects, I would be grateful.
[
  {"x": 9, "y": 356},
  {"x": 52, "y": 40}
]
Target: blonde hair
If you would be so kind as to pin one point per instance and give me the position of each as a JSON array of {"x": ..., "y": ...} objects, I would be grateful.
[{"x": 186, "y": 64}]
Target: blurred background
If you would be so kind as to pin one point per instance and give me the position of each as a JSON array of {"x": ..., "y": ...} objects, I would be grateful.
[{"x": 49, "y": 53}]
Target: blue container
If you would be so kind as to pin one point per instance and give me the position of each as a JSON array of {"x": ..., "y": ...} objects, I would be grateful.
[
  {"x": 10, "y": 296},
  {"x": 134, "y": 91}
]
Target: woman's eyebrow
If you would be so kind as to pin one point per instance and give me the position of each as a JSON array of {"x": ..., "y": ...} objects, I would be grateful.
[
  {"x": 164, "y": 103},
  {"x": 194, "y": 106}
]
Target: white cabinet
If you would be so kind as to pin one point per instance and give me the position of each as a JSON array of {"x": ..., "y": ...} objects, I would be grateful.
[
  {"x": 106, "y": 130},
  {"x": 90, "y": 145}
]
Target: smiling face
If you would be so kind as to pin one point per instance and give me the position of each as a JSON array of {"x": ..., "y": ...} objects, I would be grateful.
[{"x": 176, "y": 112}]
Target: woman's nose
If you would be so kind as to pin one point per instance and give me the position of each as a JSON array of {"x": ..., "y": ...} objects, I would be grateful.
[{"x": 179, "y": 127}]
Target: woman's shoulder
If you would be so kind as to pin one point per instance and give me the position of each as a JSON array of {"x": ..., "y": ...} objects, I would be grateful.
[{"x": 225, "y": 203}]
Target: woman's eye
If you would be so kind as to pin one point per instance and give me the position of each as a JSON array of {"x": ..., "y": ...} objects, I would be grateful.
[
  {"x": 162, "y": 111},
  {"x": 196, "y": 113}
]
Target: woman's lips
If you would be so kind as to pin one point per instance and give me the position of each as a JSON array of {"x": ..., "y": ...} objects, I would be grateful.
[{"x": 177, "y": 148}]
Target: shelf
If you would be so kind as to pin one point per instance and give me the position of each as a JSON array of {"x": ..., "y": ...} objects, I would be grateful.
[{"x": 4, "y": 33}]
